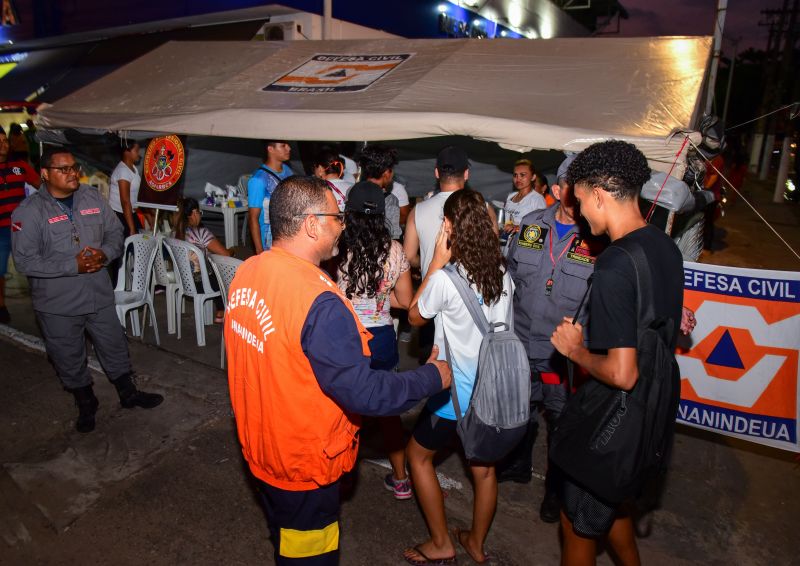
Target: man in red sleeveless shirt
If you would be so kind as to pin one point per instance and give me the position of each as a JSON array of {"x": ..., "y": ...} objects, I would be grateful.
[
  {"x": 13, "y": 176},
  {"x": 299, "y": 374}
]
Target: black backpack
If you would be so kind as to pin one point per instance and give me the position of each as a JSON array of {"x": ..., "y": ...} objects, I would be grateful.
[{"x": 611, "y": 441}]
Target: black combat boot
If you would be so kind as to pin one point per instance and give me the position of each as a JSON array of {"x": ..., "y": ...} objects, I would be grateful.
[
  {"x": 550, "y": 510},
  {"x": 130, "y": 397},
  {"x": 87, "y": 408}
]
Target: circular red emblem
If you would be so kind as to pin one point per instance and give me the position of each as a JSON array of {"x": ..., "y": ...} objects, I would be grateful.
[{"x": 163, "y": 162}]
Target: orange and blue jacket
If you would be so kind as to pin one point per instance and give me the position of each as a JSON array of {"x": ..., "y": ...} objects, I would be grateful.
[{"x": 299, "y": 373}]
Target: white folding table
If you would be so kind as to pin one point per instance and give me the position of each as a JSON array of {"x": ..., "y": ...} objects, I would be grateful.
[{"x": 230, "y": 220}]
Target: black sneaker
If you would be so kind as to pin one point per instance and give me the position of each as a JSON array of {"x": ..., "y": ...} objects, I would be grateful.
[
  {"x": 550, "y": 511},
  {"x": 517, "y": 474},
  {"x": 141, "y": 399},
  {"x": 5, "y": 317}
]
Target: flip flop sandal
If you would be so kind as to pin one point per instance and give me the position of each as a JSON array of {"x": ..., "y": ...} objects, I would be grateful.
[
  {"x": 457, "y": 535},
  {"x": 428, "y": 561}
]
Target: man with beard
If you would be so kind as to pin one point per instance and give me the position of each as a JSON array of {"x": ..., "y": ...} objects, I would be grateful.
[{"x": 299, "y": 374}]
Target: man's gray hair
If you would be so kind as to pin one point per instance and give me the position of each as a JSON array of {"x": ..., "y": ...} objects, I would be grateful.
[{"x": 293, "y": 198}]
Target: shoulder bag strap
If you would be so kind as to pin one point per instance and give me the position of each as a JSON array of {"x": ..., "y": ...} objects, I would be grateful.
[
  {"x": 644, "y": 286},
  {"x": 570, "y": 365},
  {"x": 469, "y": 298}
]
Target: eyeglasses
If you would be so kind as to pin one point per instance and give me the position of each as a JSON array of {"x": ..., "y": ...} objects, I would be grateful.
[
  {"x": 67, "y": 169},
  {"x": 338, "y": 215}
]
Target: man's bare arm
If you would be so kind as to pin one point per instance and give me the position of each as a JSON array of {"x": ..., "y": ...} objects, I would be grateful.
[{"x": 411, "y": 241}]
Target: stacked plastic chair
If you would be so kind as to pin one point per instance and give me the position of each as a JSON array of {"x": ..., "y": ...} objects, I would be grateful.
[
  {"x": 140, "y": 294},
  {"x": 224, "y": 268}
]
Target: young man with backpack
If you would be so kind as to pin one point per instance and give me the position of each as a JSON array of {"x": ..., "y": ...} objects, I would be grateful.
[
  {"x": 607, "y": 178},
  {"x": 272, "y": 171}
]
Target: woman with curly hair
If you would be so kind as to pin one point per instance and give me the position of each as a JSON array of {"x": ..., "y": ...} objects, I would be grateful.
[
  {"x": 374, "y": 275},
  {"x": 468, "y": 240}
]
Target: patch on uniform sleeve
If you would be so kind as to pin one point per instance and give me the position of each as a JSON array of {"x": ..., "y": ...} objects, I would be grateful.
[
  {"x": 86, "y": 211},
  {"x": 16, "y": 226},
  {"x": 581, "y": 252},
  {"x": 531, "y": 236}
]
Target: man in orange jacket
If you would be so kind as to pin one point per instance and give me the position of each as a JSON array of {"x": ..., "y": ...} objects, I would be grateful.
[{"x": 299, "y": 374}]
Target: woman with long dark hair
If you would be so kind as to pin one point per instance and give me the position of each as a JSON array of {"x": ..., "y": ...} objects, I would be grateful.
[
  {"x": 467, "y": 239},
  {"x": 374, "y": 275}
]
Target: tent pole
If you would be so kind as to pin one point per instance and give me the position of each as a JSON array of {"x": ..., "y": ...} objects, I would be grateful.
[
  {"x": 327, "y": 14},
  {"x": 719, "y": 25},
  {"x": 155, "y": 223}
]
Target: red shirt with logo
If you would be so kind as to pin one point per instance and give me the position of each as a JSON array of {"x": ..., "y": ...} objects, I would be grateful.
[{"x": 13, "y": 176}]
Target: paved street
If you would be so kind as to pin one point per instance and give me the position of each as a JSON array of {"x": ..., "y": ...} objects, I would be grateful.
[{"x": 169, "y": 486}]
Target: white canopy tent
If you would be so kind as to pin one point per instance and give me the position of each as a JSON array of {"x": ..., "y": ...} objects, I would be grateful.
[{"x": 546, "y": 94}]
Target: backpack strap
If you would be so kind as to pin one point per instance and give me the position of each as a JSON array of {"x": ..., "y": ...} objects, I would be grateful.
[
  {"x": 272, "y": 173},
  {"x": 644, "y": 285},
  {"x": 453, "y": 390},
  {"x": 470, "y": 300}
]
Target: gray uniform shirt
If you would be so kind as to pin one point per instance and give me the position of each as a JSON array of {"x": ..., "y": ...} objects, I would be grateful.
[
  {"x": 44, "y": 249},
  {"x": 536, "y": 314}
]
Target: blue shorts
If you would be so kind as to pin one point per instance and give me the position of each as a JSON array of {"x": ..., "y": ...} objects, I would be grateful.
[
  {"x": 5, "y": 249},
  {"x": 383, "y": 347}
]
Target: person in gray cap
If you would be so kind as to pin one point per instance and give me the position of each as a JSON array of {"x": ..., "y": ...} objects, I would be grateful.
[
  {"x": 550, "y": 259},
  {"x": 63, "y": 237}
]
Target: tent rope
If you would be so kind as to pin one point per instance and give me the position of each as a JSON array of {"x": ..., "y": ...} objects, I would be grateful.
[{"x": 747, "y": 202}]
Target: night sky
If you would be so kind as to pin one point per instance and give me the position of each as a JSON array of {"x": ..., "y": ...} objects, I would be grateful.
[{"x": 696, "y": 17}]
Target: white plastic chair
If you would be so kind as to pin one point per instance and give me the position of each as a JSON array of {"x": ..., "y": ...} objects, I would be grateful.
[
  {"x": 224, "y": 269},
  {"x": 180, "y": 252},
  {"x": 243, "y": 180},
  {"x": 167, "y": 278},
  {"x": 139, "y": 295}
]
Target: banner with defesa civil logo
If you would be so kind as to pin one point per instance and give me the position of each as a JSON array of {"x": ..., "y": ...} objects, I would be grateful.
[{"x": 739, "y": 370}]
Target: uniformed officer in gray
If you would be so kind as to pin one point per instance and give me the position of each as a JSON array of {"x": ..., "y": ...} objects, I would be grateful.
[
  {"x": 62, "y": 239},
  {"x": 550, "y": 260}
]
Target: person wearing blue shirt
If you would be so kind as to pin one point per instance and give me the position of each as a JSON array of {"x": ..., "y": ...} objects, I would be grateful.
[{"x": 259, "y": 190}]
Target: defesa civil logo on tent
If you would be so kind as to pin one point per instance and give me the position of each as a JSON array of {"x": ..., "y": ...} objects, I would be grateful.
[
  {"x": 337, "y": 73},
  {"x": 740, "y": 376}
]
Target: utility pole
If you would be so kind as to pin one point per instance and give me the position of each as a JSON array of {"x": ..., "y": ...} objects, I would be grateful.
[
  {"x": 776, "y": 20},
  {"x": 731, "y": 67},
  {"x": 784, "y": 92}
]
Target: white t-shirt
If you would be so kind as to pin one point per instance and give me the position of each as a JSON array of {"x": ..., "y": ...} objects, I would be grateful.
[
  {"x": 516, "y": 211},
  {"x": 124, "y": 173},
  {"x": 428, "y": 217},
  {"x": 350, "y": 170},
  {"x": 342, "y": 187},
  {"x": 399, "y": 190},
  {"x": 440, "y": 299}
]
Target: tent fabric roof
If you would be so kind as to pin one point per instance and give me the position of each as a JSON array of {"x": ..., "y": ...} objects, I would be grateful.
[{"x": 544, "y": 94}]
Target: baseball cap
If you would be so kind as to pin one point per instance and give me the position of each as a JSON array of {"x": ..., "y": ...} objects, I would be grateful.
[
  {"x": 365, "y": 197},
  {"x": 562, "y": 169},
  {"x": 452, "y": 157}
]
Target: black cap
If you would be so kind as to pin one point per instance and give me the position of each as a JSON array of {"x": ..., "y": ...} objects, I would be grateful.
[
  {"x": 366, "y": 197},
  {"x": 452, "y": 157}
]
